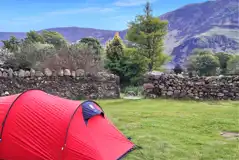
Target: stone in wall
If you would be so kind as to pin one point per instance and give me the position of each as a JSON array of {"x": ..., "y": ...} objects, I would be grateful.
[
  {"x": 159, "y": 84},
  {"x": 63, "y": 83}
]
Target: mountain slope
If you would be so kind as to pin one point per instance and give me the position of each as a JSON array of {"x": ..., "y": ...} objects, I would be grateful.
[
  {"x": 211, "y": 25},
  {"x": 72, "y": 34}
]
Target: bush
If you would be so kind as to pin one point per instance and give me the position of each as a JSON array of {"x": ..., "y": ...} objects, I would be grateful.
[
  {"x": 233, "y": 65},
  {"x": 138, "y": 91},
  {"x": 204, "y": 63},
  {"x": 223, "y": 59},
  {"x": 77, "y": 56},
  {"x": 5, "y": 55},
  {"x": 30, "y": 56}
]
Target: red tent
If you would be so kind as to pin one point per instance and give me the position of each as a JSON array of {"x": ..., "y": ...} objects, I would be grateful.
[{"x": 40, "y": 126}]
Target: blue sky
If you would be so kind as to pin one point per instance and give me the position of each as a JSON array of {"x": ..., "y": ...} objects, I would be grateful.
[{"x": 25, "y": 15}]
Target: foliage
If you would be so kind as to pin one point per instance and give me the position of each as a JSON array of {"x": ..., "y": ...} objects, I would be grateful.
[
  {"x": 148, "y": 32},
  {"x": 30, "y": 56},
  {"x": 54, "y": 38},
  {"x": 34, "y": 37},
  {"x": 124, "y": 62},
  {"x": 233, "y": 65},
  {"x": 204, "y": 63},
  {"x": 136, "y": 66},
  {"x": 223, "y": 59},
  {"x": 136, "y": 89},
  {"x": 76, "y": 56},
  {"x": 115, "y": 61},
  {"x": 5, "y": 55},
  {"x": 12, "y": 44},
  {"x": 176, "y": 130},
  {"x": 94, "y": 44},
  {"x": 115, "y": 48}
]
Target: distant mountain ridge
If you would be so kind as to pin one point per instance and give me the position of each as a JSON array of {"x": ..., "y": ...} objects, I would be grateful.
[{"x": 210, "y": 25}]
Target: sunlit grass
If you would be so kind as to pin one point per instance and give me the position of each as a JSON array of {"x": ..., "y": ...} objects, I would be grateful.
[{"x": 176, "y": 130}]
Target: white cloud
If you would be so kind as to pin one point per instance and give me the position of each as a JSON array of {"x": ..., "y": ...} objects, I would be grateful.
[{"x": 129, "y": 3}]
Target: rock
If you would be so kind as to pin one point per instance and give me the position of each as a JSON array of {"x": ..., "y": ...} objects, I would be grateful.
[
  {"x": 67, "y": 72},
  {"x": 222, "y": 87},
  {"x": 32, "y": 72},
  {"x": 4, "y": 74},
  {"x": 60, "y": 73},
  {"x": 148, "y": 86},
  {"x": 15, "y": 73},
  {"x": 80, "y": 73},
  {"x": 220, "y": 94},
  {"x": 47, "y": 72},
  {"x": 6, "y": 93},
  {"x": 27, "y": 74},
  {"x": 170, "y": 93},
  {"x": 73, "y": 74},
  {"x": 177, "y": 92},
  {"x": 21, "y": 73},
  {"x": 10, "y": 72},
  {"x": 39, "y": 74}
]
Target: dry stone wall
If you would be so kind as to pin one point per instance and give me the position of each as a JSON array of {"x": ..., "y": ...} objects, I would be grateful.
[
  {"x": 158, "y": 84},
  {"x": 65, "y": 83}
]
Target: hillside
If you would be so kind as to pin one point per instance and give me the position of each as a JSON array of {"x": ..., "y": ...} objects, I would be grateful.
[{"x": 211, "y": 25}]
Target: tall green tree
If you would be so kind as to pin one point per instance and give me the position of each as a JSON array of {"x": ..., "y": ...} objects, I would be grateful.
[
  {"x": 124, "y": 62},
  {"x": 115, "y": 48},
  {"x": 223, "y": 59},
  {"x": 12, "y": 44},
  {"x": 54, "y": 38},
  {"x": 204, "y": 63},
  {"x": 148, "y": 32}
]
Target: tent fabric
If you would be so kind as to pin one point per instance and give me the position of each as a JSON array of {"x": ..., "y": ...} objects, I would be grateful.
[{"x": 40, "y": 126}]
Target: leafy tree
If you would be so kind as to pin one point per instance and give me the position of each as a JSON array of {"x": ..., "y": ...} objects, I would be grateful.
[
  {"x": 223, "y": 59},
  {"x": 30, "y": 55},
  {"x": 135, "y": 66},
  {"x": 54, "y": 38},
  {"x": 204, "y": 64},
  {"x": 94, "y": 44},
  {"x": 12, "y": 44},
  {"x": 148, "y": 32},
  {"x": 124, "y": 62},
  {"x": 233, "y": 65},
  {"x": 33, "y": 37},
  {"x": 114, "y": 55},
  {"x": 115, "y": 48}
]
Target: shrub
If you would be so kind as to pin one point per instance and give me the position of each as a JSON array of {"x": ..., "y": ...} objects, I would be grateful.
[
  {"x": 5, "y": 55},
  {"x": 223, "y": 59},
  {"x": 233, "y": 65},
  {"x": 204, "y": 63},
  {"x": 77, "y": 56},
  {"x": 30, "y": 56},
  {"x": 138, "y": 91}
]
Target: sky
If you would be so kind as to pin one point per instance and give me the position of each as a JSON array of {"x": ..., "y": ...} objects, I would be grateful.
[{"x": 25, "y": 15}]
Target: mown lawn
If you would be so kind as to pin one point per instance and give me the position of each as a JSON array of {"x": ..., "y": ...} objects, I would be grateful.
[{"x": 177, "y": 130}]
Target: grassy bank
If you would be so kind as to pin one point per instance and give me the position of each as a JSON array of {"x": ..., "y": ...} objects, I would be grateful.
[{"x": 177, "y": 130}]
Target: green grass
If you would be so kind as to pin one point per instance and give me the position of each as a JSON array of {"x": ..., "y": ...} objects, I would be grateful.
[{"x": 176, "y": 130}]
